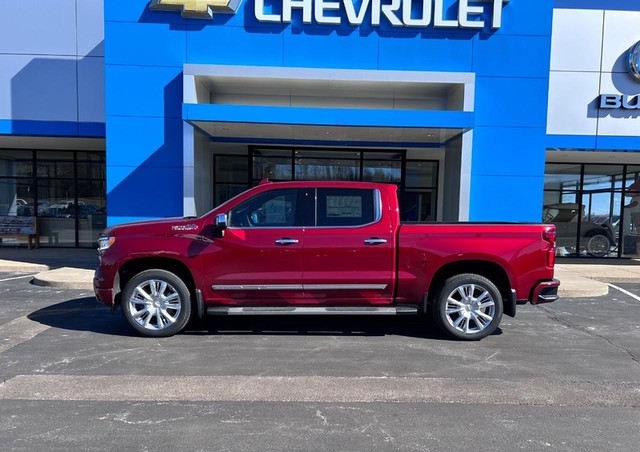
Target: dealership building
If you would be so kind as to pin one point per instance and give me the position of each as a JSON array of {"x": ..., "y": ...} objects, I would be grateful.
[{"x": 479, "y": 110}]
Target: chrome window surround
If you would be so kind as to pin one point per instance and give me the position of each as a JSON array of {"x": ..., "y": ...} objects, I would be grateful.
[
  {"x": 377, "y": 212},
  {"x": 377, "y": 216}
]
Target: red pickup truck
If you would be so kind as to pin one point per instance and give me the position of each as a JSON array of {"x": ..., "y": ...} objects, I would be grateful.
[{"x": 322, "y": 248}]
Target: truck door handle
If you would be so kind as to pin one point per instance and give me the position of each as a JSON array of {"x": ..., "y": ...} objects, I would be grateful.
[
  {"x": 375, "y": 241},
  {"x": 286, "y": 241}
]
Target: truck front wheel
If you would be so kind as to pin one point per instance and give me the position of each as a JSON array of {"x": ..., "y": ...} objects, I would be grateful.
[
  {"x": 468, "y": 307},
  {"x": 156, "y": 303}
]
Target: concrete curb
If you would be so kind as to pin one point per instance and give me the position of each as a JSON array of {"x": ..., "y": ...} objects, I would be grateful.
[
  {"x": 65, "y": 278},
  {"x": 9, "y": 266},
  {"x": 575, "y": 286}
]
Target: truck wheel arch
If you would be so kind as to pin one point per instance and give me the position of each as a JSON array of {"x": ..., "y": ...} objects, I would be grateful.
[
  {"x": 490, "y": 270},
  {"x": 133, "y": 267}
]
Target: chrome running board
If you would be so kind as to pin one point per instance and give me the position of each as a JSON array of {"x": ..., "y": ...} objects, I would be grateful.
[{"x": 314, "y": 310}]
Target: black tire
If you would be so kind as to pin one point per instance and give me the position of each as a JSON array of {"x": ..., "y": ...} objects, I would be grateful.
[
  {"x": 479, "y": 303},
  {"x": 156, "y": 303},
  {"x": 598, "y": 245}
]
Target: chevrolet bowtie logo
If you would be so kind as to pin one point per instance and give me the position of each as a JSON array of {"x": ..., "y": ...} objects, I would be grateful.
[{"x": 197, "y": 9}]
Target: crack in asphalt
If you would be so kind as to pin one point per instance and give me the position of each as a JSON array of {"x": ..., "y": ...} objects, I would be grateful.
[{"x": 553, "y": 315}]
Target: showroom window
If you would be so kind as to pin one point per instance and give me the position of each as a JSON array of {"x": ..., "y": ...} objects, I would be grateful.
[
  {"x": 64, "y": 190},
  {"x": 417, "y": 180},
  {"x": 595, "y": 208}
]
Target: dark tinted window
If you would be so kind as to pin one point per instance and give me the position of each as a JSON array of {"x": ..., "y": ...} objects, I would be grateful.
[
  {"x": 276, "y": 208},
  {"x": 345, "y": 207}
]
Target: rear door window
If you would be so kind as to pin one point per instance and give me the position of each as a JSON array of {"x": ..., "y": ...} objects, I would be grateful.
[{"x": 346, "y": 207}]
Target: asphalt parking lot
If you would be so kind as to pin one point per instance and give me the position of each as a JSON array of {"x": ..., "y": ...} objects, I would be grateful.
[{"x": 564, "y": 376}]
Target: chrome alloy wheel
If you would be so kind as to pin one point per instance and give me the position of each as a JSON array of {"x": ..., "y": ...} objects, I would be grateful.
[
  {"x": 470, "y": 308},
  {"x": 154, "y": 305}
]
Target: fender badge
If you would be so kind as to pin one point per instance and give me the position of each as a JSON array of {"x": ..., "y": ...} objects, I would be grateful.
[{"x": 184, "y": 227}]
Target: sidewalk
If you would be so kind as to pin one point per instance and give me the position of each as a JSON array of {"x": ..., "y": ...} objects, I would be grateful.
[
  {"x": 73, "y": 269},
  {"x": 65, "y": 268}
]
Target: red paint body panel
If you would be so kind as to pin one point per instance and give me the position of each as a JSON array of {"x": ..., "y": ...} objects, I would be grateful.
[
  {"x": 328, "y": 265},
  {"x": 517, "y": 248},
  {"x": 251, "y": 257}
]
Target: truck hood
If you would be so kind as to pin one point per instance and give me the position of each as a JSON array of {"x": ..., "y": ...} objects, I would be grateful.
[{"x": 175, "y": 225}]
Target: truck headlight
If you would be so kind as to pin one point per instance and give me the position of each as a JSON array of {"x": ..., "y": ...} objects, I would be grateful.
[{"x": 104, "y": 242}]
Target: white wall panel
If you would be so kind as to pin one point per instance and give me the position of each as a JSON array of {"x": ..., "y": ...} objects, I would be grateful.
[
  {"x": 38, "y": 88},
  {"x": 38, "y": 27},
  {"x": 621, "y": 31},
  {"x": 90, "y": 27},
  {"x": 573, "y": 103},
  {"x": 619, "y": 122},
  {"x": 576, "y": 42},
  {"x": 91, "y": 98}
]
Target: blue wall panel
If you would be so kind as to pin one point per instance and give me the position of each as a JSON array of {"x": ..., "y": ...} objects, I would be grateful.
[
  {"x": 512, "y": 56},
  {"x": 527, "y": 17},
  {"x": 620, "y": 143},
  {"x": 211, "y": 44},
  {"x": 144, "y": 91},
  {"x": 143, "y": 191},
  {"x": 511, "y": 102},
  {"x": 512, "y": 67},
  {"x": 144, "y": 141},
  {"x": 518, "y": 149},
  {"x": 328, "y": 49},
  {"x": 571, "y": 141},
  {"x": 328, "y": 117},
  {"x": 506, "y": 198},
  {"x": 144, "y": 44},
  {"x": 446, "y": 52}
]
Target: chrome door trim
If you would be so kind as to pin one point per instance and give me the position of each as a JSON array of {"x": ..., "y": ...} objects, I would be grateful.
[
  {"x": 257, "y": 287},
  {"x": 344, "y": 286},
  {"x": 299, "y": 286}
]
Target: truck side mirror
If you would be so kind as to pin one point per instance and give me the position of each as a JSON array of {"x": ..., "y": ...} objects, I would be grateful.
[{"x": 220, "y": 224}]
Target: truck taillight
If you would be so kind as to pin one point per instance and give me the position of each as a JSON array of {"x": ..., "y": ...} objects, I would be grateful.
[{"x": 549, "y": 235}]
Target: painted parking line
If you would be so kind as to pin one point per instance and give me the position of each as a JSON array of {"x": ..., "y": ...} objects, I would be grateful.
[
  {"x": 321, "y": 389},
  {"x": 19, "y": 277},
  {"x": 18, "y": 331},
  {"x": 626, "y": 292}
]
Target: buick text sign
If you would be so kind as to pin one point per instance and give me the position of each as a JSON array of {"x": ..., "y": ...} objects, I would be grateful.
[
  {"x": 619, "y": 101},
  {"x": 399, "y": 13}
]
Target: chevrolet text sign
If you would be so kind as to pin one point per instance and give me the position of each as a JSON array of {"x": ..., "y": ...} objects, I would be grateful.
[{"x": 399, "y": 13}]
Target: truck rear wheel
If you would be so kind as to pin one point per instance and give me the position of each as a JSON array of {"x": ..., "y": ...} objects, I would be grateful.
[
  {"x": 156, "y": 303},
  {"x": 468, "y": 307}
]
